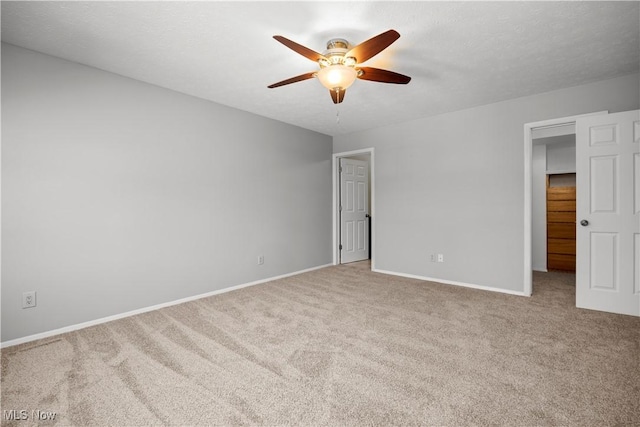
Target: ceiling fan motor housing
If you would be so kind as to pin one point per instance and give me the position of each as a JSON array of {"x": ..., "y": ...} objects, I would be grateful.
[{"x": 335, "y": 54}]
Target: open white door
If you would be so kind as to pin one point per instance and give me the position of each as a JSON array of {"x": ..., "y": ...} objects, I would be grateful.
[
  {"x": 608, "y": 213},
  {"x": 354, "y": 229}
]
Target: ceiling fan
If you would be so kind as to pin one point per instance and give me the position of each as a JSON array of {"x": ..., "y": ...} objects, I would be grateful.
[{"x": 339, "y": 64}]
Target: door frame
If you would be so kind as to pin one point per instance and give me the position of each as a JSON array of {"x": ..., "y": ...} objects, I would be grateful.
[
  {"x": 335, "y": 164},
  {"x": 528, "y": 187}
]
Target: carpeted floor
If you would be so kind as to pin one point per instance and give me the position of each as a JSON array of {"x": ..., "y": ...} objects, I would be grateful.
[{"x": 340, "y": 346}]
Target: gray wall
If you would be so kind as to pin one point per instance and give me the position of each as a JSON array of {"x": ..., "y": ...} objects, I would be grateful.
[
  {"x": 539, "y": 207},
  {"x": 453, "y": 183},
  {"x": 118, "y": 195},
  {"x": 561, "y": 156}
]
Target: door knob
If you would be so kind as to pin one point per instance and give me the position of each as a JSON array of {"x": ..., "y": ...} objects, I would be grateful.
[{"x": 584, "y": 223}]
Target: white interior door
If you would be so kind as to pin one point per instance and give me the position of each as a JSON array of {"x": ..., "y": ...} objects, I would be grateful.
[
  {"x": 354, "y": 195},
  {"x": 608, "y": 213}
]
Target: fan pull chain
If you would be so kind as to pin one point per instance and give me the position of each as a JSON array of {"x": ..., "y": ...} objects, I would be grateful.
[{"x": 337, "y": 115}]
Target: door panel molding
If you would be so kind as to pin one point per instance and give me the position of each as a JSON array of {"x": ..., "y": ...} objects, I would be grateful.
[
  {"x": 636, "y": 268},
  {"x": 603, "y": 184},
  {"x": 603, "y": 135},
  {"x": 636, "y": 183},
  {"x": 603, "y": 258}
]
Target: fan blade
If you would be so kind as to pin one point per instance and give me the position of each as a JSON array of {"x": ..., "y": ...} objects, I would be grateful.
[
  {"x": 337, "y": 95},
  {"x": 383, "y": 76},
  {"x": 304, "y": 51},
  {"x": 295, "y": 79},
  {"x": 373, "y": 46}
]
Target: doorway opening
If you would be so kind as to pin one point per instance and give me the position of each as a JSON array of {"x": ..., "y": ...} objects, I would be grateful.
[
  {"x": 534, "y": 131},
  {"x": 363, "y": 155}
]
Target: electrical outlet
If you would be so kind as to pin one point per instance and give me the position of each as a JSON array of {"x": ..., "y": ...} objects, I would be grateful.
[
  {"x": 433, "y": 257},
  {"x": 440, "y": 258},
  {"x": 261, "y": 260},
  {"x": 29, "y": 299}
]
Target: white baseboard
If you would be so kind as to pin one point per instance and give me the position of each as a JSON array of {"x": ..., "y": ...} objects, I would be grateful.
[
  {"x": 451, "y": 282},
  {"x": 544, "y": 270},
  {"x": 83, "y": 325}
]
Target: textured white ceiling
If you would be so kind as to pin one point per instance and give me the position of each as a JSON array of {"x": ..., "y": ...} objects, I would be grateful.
[{"x": 459, "y": 54}]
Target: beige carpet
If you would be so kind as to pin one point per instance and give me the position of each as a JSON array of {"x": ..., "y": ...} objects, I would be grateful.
[{"x": 341, "y": 346}]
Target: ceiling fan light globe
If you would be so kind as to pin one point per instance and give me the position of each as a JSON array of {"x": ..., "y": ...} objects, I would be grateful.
[{"x": 337, "y": 76}]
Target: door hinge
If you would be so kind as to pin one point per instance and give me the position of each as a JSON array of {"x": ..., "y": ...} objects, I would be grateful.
[
  {"x": 340, "y": 246},
  {"x": 340, "y": 169},
  {"x": 340, "y": 208}
]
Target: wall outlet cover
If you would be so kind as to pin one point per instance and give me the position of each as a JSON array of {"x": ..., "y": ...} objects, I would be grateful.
[{"x": 29, "y": 299}]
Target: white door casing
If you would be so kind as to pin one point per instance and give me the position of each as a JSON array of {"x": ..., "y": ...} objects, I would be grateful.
[
  {"x": 608, "y": 213},
  {"x": 354, "y": 228}
]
